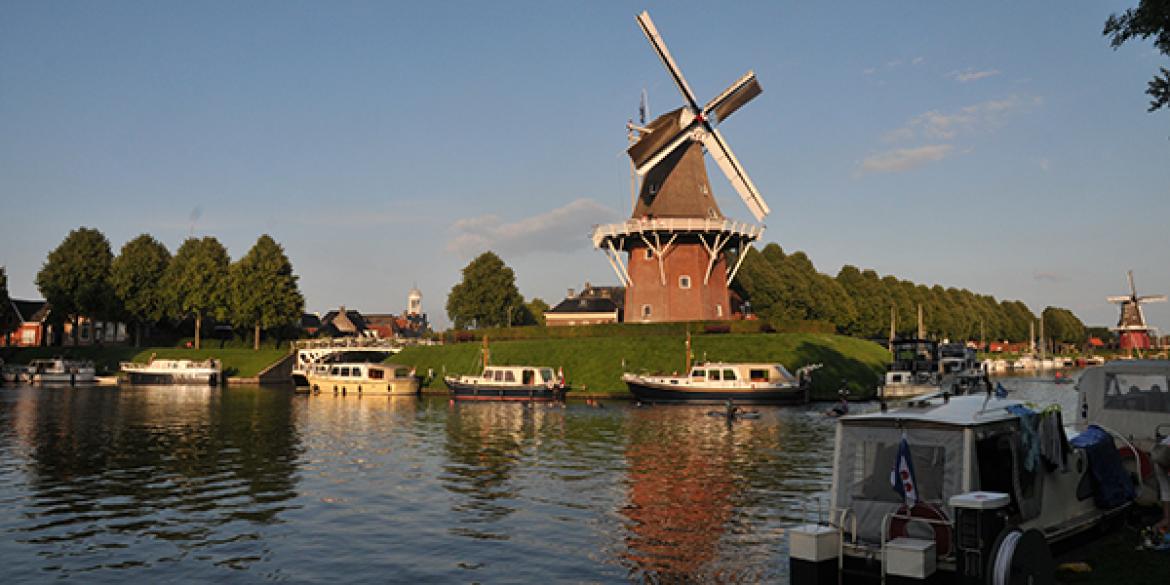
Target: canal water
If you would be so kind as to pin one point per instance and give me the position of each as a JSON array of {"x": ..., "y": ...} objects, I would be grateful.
[{"x": 109, "y": 485}]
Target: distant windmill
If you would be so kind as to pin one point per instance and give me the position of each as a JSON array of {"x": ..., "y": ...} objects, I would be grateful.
[
  {"x": 677, "y": 242},
  {"x": 1131, "y": 327}
]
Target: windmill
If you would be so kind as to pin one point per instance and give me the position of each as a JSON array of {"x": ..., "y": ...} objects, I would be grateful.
[
  {"x": 1133, "y": 333},
  {"x": 674, "y": 255}
]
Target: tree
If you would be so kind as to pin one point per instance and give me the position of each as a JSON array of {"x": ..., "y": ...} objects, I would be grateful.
[
  {"x": 264, "y": 291},
  {"x": 536, "y": 309},
  {"x": 487, "y": 295},
  {"x": 75, "y": 277},
  {"x": 1151, "y": 18},
  {"x": 1061, "y": 325},
  {"x": 196, "y": 282},
  {"x": 136, "y": 277},
  {"x": 7, "y": 314}
]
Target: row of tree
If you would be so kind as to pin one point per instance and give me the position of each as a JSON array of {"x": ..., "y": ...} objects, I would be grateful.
[
  {"x": 788, "y": 287},
  {"x": 145, "y": 285}
]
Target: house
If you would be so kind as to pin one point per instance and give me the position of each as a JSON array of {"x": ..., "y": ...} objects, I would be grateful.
[
  {"x": 32, "y": 329},
  {"x": 343, "y": 323},
  {"x": 592, "y": 306}
]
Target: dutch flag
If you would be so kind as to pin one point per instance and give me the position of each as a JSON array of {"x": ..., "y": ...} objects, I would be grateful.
[{"x": 902, "y": 476}]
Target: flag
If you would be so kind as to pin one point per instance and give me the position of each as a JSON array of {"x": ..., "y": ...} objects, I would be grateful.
[{"x": 902, "y": 476}]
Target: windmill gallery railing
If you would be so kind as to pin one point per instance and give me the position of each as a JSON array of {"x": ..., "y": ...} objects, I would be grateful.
[
  {"x": 668, "y": 225},
  {"x": 716, "y": 235}
]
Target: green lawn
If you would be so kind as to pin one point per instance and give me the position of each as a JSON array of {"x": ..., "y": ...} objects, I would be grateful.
[
  {"x": 595, "y": 364},
  {"x": 237, "y": 362},
  {"x": 1114, "y": 559}
]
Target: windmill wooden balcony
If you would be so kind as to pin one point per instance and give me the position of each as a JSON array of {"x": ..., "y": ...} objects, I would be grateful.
[{"x": 661, "y": 235}]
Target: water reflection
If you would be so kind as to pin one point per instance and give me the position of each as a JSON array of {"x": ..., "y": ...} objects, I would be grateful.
[
  {"x": 116, "y": 478},
  {"x": 703, "y": 492}
]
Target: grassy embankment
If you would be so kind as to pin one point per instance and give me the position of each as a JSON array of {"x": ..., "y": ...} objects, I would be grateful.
[
  {"x": 237, "y": 362},
  {"x": 595, "y": 364}
]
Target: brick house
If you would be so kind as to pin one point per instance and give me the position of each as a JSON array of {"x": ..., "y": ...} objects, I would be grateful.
[
  {"x": 593, "y": 305},
  {"x": 32, "y": 328}
]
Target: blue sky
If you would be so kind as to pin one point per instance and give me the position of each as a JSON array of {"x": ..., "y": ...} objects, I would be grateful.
[{"x": 1001, "y": 147}]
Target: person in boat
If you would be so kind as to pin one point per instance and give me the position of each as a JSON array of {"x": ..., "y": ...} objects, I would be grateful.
[
  {"x": 841, "y": 408},
  {"x": 732, "y": 409},
  {"x": 1160, "y": 455}
]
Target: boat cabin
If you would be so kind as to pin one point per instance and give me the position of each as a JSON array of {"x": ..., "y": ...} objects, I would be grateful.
[
  {"x": 517, "y": 376},
  {"x": 741, "y": 373}
]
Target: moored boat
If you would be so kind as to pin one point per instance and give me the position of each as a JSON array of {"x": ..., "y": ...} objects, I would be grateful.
[
  {"x": 362, "y": 378},
  {"x": 53, "y": 372},
  {"x": 523, "y": 383},
  {"x": 976, "y": 487},
  {"x": 717, "y": 382},
  {"x": 208, "y": 372}
]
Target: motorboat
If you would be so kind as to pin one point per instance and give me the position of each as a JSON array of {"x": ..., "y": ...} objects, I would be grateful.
[
  {"x": 955, "y": 485},
  {"x": 1130, "y": 398},
  {"x": 208, "y": 372},
  {"x": 717, "y": 382},
  {"x": 362, "y": 378},
  {"x": 524, "y": 383},
  {"x": 53, "y": 372},
  {"x": 310, "y": 353},
  {"x": 922, "y": 366}
]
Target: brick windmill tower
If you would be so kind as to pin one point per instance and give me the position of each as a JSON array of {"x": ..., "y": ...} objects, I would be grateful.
[
  {"x": 1132, "y": 331},
  {"x": 678, "y": 252}
]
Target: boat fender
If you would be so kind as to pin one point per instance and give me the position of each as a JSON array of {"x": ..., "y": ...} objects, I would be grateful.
[{"x": 938, "y": 522}]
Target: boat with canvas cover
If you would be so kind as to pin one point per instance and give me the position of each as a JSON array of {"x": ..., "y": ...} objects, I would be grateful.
[{"x": 958, "y": 489}]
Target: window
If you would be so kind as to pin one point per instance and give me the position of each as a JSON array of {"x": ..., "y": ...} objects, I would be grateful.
[
  {"x": 509, "y": 376},
  {"x": 684, "y": 281},
  {"x": 528, "y": 377},
  {"x": 28, "y": 337},
  {"x": 335, "y": 371},
  {"x": 698, "y": 373},
  {"x": 546, "y": 374},
  {"x": 871, "y": 475},
  {"x": 344, "y": 372},
  {"x": 649, "y": 254},
  {"x": 499, "y": 375},
  {"x": 758, "y": 375},
  {"x": 645, "y": 311},
  {"x": 729, "y": 375},
  {"x": 718, "y": 310},
  {"x": 713, "y": 375},
  {"x": 1136, "y": 392},
  {"x": 377, "y": 374}
]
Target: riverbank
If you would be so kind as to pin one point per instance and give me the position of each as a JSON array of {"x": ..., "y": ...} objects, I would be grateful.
[
  {"x": 594, "y": 365},
  {"x": 237, "y": 362}
]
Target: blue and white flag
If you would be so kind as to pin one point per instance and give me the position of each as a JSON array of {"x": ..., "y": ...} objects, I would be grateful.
[{"x": 902, "y": 476}]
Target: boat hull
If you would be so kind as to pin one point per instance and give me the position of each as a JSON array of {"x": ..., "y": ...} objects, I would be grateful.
[
  {"x": 175, "y": 378},
  {"x": 651, "y": 392},
  {"x": 466, "y": 391},
  {"x": 392, "y": 387}
]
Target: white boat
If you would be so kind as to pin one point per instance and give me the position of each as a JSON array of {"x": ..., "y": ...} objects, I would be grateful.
[
  {"x": 1130, "y": 398},
  {"x": 984, "y": 507},
  {"x": 207, "y": 372},
  {"x": 309, "y": 354},
  {"x": 56, "y": 372},
  {"x": 718, "y": 382},
  {"x": 921, "y": 367},
  {"x": 362, "y": 378}
]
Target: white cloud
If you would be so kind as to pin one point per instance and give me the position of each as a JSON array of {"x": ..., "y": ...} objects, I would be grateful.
[
  {"x": 904, "y": 159},
  {"x": 870, "y": 70},
  {"x": 972, "y": 75},
  {"x": 1048, "y": 276},
  {"x": 1044, "y": 164},
  {"x": 937, "y": 125},
  {"x": 918, "y": 61},
  {"x": 564, "y": 229}
]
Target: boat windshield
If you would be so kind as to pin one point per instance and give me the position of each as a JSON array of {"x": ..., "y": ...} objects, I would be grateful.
[
  {"x": 1137, "y": 392},
  {"x": 865, "y": 462},
  {"x": 546, "y": 374}
]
